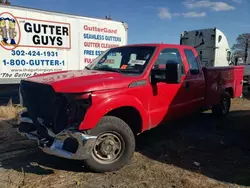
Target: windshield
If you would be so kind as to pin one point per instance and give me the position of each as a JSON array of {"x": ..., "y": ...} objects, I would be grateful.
[{"x": 123, "y": 59}]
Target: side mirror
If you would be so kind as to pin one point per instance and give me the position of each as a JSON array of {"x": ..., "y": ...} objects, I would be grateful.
[
  {"x": 170, "y": 73},
  {"x": 228, "y": 56},
  {"x": 173, "y": 73}
]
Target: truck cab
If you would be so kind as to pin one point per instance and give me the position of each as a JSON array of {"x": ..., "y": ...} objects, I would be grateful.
[
  {"x": 94, "y": 114},
  {"x": 211, "y": 44}
]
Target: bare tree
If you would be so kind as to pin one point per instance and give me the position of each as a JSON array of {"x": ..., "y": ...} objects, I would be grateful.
[
  {"x": 6, "y": 2},
  {"x": 242, "y": 47}
]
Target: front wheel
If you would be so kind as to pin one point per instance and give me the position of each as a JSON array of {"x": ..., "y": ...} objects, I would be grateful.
[
  {"x": 223, "y": 108},
  {"x": 114, "y": 146}
]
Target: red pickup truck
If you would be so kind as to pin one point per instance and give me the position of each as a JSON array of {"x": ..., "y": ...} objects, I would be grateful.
[{"x": 94, "y": 114}]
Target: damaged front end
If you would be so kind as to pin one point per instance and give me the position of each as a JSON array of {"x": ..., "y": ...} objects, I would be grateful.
[{"x": 52, "y": 119}]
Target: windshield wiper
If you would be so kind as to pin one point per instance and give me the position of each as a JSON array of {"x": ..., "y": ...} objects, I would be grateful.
[{"x": 86, "y": 67}]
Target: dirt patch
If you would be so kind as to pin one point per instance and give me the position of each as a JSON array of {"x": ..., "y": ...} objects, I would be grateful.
[{"x": 194, "y": 152}]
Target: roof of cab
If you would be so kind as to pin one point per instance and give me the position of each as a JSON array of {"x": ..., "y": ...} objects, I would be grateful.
[{"x": 164, "y": 45}]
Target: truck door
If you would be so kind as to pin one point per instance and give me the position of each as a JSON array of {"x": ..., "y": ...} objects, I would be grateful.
[
  {"x": 195, "y": 82},
  {"x": 167, "y": 101}
]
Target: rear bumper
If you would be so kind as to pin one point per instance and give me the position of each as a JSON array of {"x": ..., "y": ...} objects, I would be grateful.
[{"x": 70, "y": 143}]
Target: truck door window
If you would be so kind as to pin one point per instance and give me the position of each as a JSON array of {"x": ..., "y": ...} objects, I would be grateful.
[
  {"x": 192, "y": 61},
  {"x": 169, "y": 55},
  {"x": 219, "y": 39}
]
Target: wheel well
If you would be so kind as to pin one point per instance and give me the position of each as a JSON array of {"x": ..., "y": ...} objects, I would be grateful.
[
  {"x": 230, "y": 91},
  {"x": 130, "y": 115}
]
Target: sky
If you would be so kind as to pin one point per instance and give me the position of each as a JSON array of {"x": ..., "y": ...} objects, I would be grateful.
[{"x": 151, "y": 21}]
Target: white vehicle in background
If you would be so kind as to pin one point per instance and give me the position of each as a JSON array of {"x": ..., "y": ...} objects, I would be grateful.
[
  {"x": 247, "y": 72},
  {"x": 35, "y": 41},
  {"x": 238, "y": 61},
  {"x": 211, "y": 44}
]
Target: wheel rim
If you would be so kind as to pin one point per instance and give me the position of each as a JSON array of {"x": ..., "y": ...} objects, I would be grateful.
[{"x": 108, "y": 148}]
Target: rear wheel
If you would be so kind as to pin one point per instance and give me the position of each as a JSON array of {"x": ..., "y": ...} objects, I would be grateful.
[
  {"x": 223, "y": 108},
  {"x": 114, "y": 146}
]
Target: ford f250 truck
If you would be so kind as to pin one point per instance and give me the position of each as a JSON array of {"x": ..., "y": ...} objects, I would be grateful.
[{"x": 94, "y": 114}]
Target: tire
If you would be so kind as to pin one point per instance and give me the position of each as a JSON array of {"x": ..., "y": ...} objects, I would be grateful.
[
  {"x": 118, "y": 133},
  {"x": 222, "y": 109}
]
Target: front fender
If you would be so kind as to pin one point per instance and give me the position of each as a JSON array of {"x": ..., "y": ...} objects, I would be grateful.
[{"x": 97, "y": 111}]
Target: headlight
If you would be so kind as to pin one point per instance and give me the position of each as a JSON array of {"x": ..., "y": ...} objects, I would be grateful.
[
  {"x": 77, "y": 106},
  {"x": 78, "y": 109}
]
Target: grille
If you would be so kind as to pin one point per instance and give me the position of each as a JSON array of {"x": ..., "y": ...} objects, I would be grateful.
[{"x": 42, "y": 101}]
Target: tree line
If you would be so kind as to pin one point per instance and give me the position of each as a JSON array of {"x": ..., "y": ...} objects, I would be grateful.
[{"x": 242, "y": 46}]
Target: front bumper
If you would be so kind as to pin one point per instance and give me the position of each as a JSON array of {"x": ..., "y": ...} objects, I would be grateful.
[{"x": 70, "y": 143}]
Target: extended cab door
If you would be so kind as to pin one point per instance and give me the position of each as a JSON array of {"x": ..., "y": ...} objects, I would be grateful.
[
  {"x": 167, "y": 101},
  {"x": 194, "y": 82}
]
